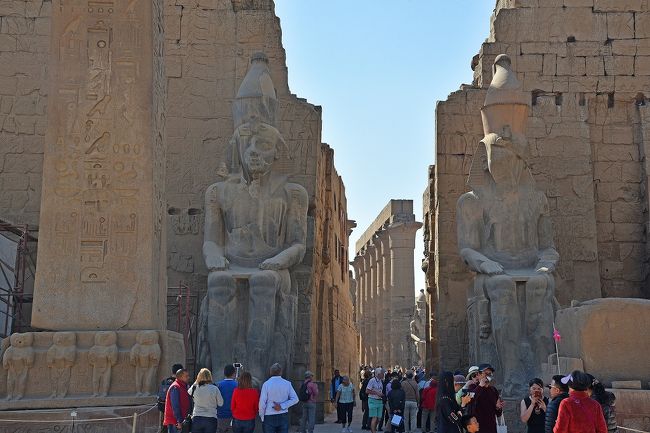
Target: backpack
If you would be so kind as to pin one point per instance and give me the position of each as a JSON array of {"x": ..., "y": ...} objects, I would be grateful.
[
  {"x": 162, "y": 393},
  {"x": 303, "y": 392}
]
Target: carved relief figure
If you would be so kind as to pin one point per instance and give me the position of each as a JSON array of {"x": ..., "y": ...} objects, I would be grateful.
[
  {"x": 255, "y": 231},
  {"x": 17, "y": 360},
  {"x": 103, "y": 356},
  {"x": 145, "y": 356},
  {"x": 505, "y": 237},
  {"x": 418, "y": 329},
  {"x": 60, "y": 359}
]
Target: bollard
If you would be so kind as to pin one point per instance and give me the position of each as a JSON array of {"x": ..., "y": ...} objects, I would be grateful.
[{"x": 135, "y": 422}]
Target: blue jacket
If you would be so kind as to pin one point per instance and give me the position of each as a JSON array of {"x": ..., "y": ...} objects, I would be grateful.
[{"x": 226, "y": 387}]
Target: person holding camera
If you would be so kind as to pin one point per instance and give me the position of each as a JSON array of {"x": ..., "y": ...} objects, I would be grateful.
[
  {"x": 533, "y": 407},
  {"x": 486, "y": 404}
]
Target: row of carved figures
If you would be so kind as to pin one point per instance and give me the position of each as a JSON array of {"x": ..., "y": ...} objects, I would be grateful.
[{"x": 18, "y": 359}]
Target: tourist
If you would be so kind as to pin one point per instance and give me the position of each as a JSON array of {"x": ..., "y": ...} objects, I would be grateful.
[
  {"x": 162, "y": 395},
  {"x": 607, "y": 403},
  {"x": 558, "y": 391},
  {"x": 410, "y": 387},
  {"x": 177, "y": 402},
  {"x": 345, "y": 403},
  {"x": 448, "y": 412},
  {"x": 533, "y": 408},
  {"x": 469, "y": 423},
  {"x": 226, "y": 387},
  {"x": 578, "y": 413},
  {"x": 363, "y": 396},
  {"x": 375, "y": 391},
  {"x": 334, "y": 384},
  {"x": 308, "y": 418},
  {"x": 207, "y": 399},
  {"x": 428, "y": 403},
  {"x": 471, "y": 381},
  {"x": 244, "y": 405},
  {"x": 486, "y": 404},
  {"x": 459, "y": 384},
  {"x": 276, "y": 398},
  {"x": 396, "y": 405}
]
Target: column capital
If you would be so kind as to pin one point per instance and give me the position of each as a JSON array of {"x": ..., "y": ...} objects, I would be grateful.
[{"x": 402, "y": 235}]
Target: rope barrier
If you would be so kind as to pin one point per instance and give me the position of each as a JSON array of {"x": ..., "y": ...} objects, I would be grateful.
[
  {"x": 74, "y": 420},
  {"x": 632, "y": 429}
]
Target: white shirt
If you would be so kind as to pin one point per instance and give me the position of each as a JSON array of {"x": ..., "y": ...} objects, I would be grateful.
[{"x": 276, "y": 390}]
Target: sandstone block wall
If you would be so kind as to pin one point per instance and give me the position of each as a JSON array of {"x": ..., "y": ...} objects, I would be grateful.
[{"x": 583, "y": 64}]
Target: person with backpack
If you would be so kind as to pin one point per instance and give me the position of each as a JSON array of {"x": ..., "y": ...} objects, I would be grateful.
[
  {"x": 345, "y": 403},
  {"x": 178, "y": 403},
  {"x": 307, "y": 395},
  {"x": 363, "y": 396},
  {"x": 162, "y": 394}
]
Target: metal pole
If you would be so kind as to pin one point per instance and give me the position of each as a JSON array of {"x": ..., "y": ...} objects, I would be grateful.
[{"x": 135, "y": 422}]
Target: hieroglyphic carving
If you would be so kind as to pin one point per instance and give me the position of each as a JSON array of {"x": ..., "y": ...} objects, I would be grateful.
[
  {"x": 60, "y": 359},
  {"x": 103, "y": 356},
  {"x": 145, "y": 356},
  {"x": 17, "y": 360}
]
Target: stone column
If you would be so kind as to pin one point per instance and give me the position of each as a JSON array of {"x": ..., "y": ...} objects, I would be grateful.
[
  {"x": 402, "y": 245},
  {"x": 358, "y": 272},
  {"x": 373, "y": 301},
  {"x": 379, "y": 307},
  {"x": 367, "y": 307},
  {"x": 386, "y": 298}
]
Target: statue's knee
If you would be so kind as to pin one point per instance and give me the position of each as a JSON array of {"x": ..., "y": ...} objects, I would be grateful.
[
  {"x": 538, "y": 284},
  {"x": 221, "y": 286},
  {"x": 500, "y": 287},
  {"x": 263, "y": 291},
  {"x": 265, "y": 278}
]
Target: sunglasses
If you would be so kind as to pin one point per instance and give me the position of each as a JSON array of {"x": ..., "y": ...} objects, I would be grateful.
[{"x": 552, "y": 386}]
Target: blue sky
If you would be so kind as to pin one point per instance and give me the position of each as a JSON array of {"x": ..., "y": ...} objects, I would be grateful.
[{"x": 377, "y": 67}]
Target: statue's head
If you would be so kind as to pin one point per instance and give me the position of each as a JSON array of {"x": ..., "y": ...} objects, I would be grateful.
[
  {"x": 258, "y": 146},
  {"x": 503, "y": 162}
]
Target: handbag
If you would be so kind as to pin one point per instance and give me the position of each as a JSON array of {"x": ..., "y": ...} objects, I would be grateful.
[
  {"x": 396, "y": 420},
  {"x": 501, "y": 425},
  {"x": 186, "y": 426}
]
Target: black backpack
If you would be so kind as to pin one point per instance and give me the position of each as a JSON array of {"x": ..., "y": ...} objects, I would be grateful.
[{"x": 303, "y": 392}]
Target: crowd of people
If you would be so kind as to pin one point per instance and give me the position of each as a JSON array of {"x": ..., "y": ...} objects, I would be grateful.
[
  {"x": 457, "y": 403},
  {"x": 395, "y": 400}
]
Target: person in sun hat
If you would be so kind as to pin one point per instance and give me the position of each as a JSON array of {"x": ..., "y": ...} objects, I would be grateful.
[{"x": 486, "y": 404}]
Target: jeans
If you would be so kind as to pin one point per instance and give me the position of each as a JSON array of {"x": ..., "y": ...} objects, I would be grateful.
[
  {"x": 428, "y": 419},
  {"x": 171, "y": 428},
  {"x": 203, "y": 424},
  {"x": 410, "y": 415},
  {"x": 223, "y": 425},
  {"x": 365, "y": 422},
  {"x": 276, "y": 423},
  {"x": 344, "y": 411},
  {"x": 308, "y": 418},
  {"x": 243, "y": 426}
]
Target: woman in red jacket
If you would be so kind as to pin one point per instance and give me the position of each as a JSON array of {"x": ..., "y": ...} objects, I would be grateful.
[
  {"x": 244, "y": 405},
  {"x": 428, "y": 405},
  {"x": 579, "y": 413}
]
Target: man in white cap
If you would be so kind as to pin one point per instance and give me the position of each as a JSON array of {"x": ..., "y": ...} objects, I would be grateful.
[{"x": 375, "y": 391}]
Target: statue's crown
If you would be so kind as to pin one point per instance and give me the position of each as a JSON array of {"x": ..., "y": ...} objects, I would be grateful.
[
  {"x": 256, "y": 98},
  {"x": 506, "y": 103}
]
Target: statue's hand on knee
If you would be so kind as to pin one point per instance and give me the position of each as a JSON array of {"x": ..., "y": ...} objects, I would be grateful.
[
  {"x": 491, "y": 268},
  {"x": 273, "y": 264},
  {"x": 217, "y": 263}
]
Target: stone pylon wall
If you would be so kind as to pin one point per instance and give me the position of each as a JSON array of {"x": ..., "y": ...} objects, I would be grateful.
[{"x": 586, "y": 66}]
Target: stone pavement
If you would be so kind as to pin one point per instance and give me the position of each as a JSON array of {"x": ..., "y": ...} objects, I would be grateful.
[{"x": 330, "y": 425}]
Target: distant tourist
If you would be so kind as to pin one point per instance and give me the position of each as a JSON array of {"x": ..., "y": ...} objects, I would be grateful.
[
  {"x": 558, "y": 391},
  {"x": 486, "y": 405},
  {"x": 177, "y": 402},
  {"x": 276, "y": 398},
  {"x": 162, "y": 394},
  {"x": 307, "y": 396},
  {"x": 396, "y": 405},
  {"x": 410, "y": 387},
  {"x": 363, "y": 396},
  {"x": 607, "y": 402},
  {"x": 334, "y": 384},
  {"x": 345, "y": 403},
  {"x": 375, "y": 391},
  {"x": 244, "y": 405},
  {"x": 227, "y": 387},
  {"x": 533, "y": 408},
  {"x": 579, "y": 413},
  {"x": 207, "y": 398},
  {"x": 428, "y": 403},
  {"x": 459, "y": 384}
]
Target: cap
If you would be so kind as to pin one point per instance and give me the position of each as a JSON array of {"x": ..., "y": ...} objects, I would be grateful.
[
  {"x": 459, "y": 379},
  {"x": 308, "y": 374},
  {"x": 472, "y": 370},
  {"x": 484, "y": 367}
]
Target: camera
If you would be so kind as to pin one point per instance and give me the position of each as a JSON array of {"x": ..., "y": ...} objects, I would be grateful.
[{"x": 489, "y": 378}]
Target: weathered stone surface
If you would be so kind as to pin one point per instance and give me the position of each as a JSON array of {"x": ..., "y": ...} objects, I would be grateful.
[
  {"x": 632, "y": 408},
  {"x": 626, "y": 384},
  {"x": 75, "y": 369},
  {"x": 600, "y": 332}
]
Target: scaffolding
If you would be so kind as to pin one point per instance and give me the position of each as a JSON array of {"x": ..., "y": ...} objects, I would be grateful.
[
  {"x": 182, "y": 316},
  {"x": 17, "y": 270}
]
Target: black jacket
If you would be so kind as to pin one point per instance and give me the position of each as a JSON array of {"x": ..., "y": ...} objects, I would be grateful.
[
  {"x": 397, "y": 400},
  {"x": 447, "y": 416},
  {"x": 551, "y": 412}
]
